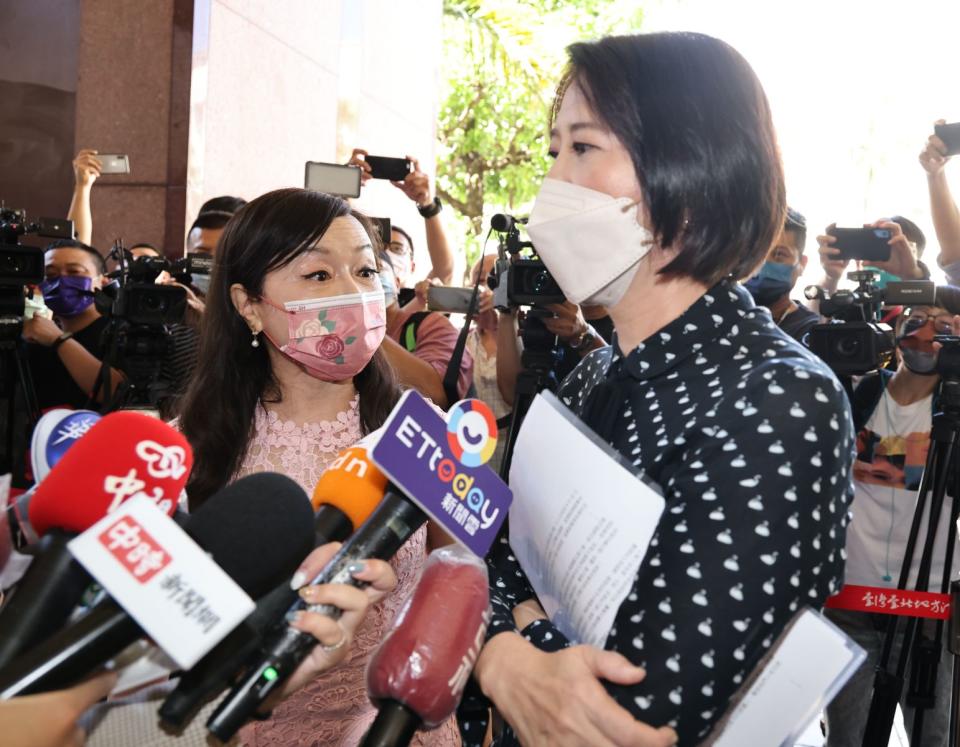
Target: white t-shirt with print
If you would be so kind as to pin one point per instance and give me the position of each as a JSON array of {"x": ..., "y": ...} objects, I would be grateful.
[{"x": 891, "y": 455}]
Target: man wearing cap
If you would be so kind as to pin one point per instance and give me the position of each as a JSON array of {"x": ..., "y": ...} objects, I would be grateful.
[{"x": 774, "y": 281}]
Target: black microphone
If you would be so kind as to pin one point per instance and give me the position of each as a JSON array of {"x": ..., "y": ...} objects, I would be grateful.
[
  {"x": 392, "y": 523},
  {"x": 258, "y": 530},
  {"x": 346, "y": 494},
  {"x": 505, "y": 223}
]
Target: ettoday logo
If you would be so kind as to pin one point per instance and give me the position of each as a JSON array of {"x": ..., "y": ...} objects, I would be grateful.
[
  {"x": 441, "y": 465},
  {"x": 472, "y": 432}
]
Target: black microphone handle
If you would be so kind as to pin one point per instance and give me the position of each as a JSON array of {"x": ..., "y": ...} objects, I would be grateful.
[
  {"x": 394, "y": 726},
  {"x": 390, "y": 525},
  {"x": 218, "y": 668},
  {"x": 331, "y": 525},
  {"x": 72, "y": 654},
  {"x": 45, "y": 597}
]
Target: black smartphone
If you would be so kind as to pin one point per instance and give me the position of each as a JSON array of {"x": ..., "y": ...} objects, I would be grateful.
[
  {"x": 869, "y": 244},
  {"x": 56, "y": 228},
  {"x": 394, "y": 169},
  {"x": 950, "y": 134}
]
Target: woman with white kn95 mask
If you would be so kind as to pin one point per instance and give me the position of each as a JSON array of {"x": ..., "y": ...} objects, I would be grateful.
[{"x": 666, "y": 186}]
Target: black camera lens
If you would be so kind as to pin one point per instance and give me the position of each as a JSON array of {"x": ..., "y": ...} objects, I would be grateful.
[
  {"x": 849, "y": 346},
  {"x": 542, "y": 281},
  {"x": 153, "y": 302}
]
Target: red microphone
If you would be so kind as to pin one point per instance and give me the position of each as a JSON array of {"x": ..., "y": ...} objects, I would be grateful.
[
  {"x": 125, "y": 454},
  {"x": 419, "y": 672}
]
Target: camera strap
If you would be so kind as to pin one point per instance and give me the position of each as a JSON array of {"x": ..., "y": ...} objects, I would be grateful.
[{"x": 453, "y": 367}]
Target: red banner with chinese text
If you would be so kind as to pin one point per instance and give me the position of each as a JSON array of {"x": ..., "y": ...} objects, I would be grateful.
[{"x": 891, "y": 602}]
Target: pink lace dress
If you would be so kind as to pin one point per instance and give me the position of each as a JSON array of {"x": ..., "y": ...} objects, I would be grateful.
[{"x": 333, "y": 709}]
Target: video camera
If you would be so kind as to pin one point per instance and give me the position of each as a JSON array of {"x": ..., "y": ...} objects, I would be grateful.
[
  {"x": 519, "y": 280},
  {"x": 855, "y": 341},
  {"x": 142, "y": 319},
  {"x": 134, "y": 295},
  {"x": 22, "y": 266}
]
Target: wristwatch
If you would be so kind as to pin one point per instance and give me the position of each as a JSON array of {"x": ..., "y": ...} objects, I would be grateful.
[
  {"x": 585, "y": 340},
  {"x": 60, "y": 340},
  {"x": 430, "y": 209}
]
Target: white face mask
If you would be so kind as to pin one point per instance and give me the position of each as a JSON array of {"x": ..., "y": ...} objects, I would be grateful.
[{"x": 591, "y": 242}]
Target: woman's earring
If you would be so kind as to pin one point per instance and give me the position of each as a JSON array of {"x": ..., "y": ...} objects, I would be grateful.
[{"x": 255, "y": 343}]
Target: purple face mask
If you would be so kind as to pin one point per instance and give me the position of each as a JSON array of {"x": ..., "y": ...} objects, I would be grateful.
[{"x": 67, "y": 295}]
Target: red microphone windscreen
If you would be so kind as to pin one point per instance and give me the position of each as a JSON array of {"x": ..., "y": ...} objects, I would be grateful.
[
  {"x": 124, "y": 455},
  {"x": 351, "y": 483},
  {"x": 426, "y": 660}
]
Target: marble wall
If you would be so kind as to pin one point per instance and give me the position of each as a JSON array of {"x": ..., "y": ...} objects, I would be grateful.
[
  {"x": 212, "y": 97},
  {"x": 279, "y": 84}
]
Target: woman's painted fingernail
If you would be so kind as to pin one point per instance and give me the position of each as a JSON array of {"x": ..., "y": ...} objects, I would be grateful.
[
  {"x": 294, "y": 617},
  {"x": 308, "y": 592},
  {"x": 357, "y": 567},
  {"x": 298, "y": 580}
]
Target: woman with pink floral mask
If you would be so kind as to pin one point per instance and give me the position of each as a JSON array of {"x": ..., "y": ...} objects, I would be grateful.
[{"x": 290, "y": 373}]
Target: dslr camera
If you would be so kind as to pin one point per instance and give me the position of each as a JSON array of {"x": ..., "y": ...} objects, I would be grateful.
[{"x": 855, "y": 341}]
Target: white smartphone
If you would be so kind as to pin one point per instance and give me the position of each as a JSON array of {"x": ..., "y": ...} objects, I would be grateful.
[
  {"x": 452, "y": 300},
  {"x": 113, "y": 163},
  {"x": 332, "y": 178}
]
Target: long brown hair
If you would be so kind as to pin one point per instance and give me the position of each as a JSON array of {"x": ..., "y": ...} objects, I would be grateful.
[{"x": 217, "y": 411}]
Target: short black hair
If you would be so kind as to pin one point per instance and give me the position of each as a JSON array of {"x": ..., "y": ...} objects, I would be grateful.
[
  {"x": 405, "y": 235},
  {"x": 74, "y": 244},
  {"x": 796, "y": 224},
  {"x": 693, "y": 116},
  {"x": 211, "y": 220},
  {"x": 146, "y": 245},
  {"x": 223, "y": 204},
  {"x": 912, "y": 231}
]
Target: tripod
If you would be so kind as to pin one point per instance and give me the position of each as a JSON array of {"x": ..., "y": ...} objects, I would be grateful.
[
  {"x": 536, "y": 374},
  {"x": 939, "y": 473},
  {"x": 140, "y": 351},
  {"x": 14, "y": 374}
]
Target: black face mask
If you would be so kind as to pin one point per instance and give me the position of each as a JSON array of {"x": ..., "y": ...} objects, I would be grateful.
[{"x": 912, "y": 339}]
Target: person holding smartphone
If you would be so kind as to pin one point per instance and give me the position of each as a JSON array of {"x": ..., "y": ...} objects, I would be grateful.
[
  {"x": 668, "y": 139},
  {"x": 907, "y": 243},
  {"x": 943, "y": 208},
  {"x": 417, "y": 186}
]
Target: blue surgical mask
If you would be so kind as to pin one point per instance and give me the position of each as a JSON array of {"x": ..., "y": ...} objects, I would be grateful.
[
  {"x": 772, "y": 282},
  {"x": 388, "y": 282}
]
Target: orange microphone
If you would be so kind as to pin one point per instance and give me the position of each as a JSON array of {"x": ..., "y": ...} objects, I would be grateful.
[{"x": 346, "y": 494}]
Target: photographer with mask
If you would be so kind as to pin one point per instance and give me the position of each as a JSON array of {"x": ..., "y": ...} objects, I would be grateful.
[
  {"x": 779, "y": 273},
  {"x": 65, "y": 354},
  {"x": 665, "y": 157},
  {"x": 892, "y": 413}
]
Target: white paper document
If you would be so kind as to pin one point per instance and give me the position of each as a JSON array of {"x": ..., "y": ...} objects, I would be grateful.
[
  {"x": 806, "y": 667},
  {"x": 581, "y": 521}
]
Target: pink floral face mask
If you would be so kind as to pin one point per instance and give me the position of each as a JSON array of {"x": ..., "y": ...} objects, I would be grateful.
[{"x": 333, "y": 338}]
